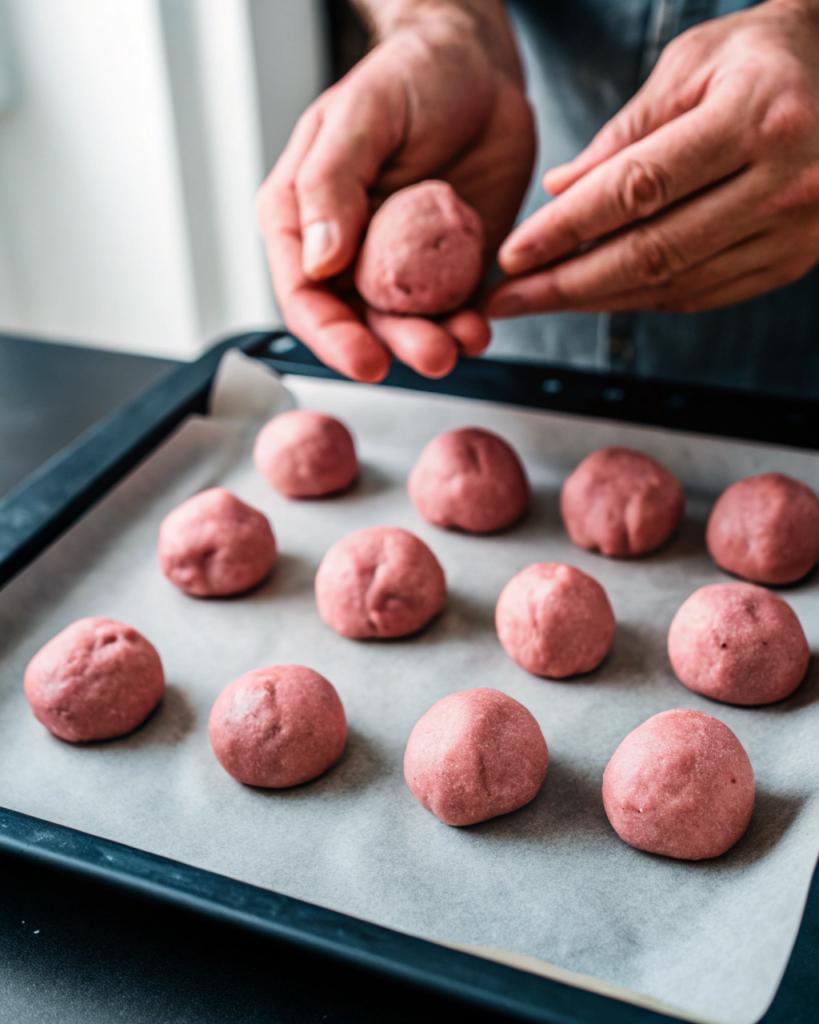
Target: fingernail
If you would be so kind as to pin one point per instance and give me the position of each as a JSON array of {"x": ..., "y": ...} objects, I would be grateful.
[
  {"x": 555, "y": 172},
  {"x": 507, "y": 305},
  {"x": 520, "y": 258},
  {"x": 320, "y": 238}
]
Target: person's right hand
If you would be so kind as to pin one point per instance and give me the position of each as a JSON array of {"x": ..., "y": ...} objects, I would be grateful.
[{"x": 428, "y": 102}]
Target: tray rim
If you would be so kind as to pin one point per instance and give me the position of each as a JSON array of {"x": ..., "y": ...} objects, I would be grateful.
[{"x": 61, "y": 491}]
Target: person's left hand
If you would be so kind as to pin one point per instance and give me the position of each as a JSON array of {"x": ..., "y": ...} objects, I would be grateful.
[{"x": 704, "y": 189}]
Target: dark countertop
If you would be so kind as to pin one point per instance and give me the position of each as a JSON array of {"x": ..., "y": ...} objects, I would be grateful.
[
  {"x": 49, "y": 394},
  {"x": 76, "y": 952}
]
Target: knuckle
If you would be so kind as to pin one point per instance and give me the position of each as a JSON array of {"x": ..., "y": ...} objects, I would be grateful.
[
  {"x": 791, "y": 120},
  {"x": 563, "y": 293},
  {"x": 643, "y": 188},
  {"x": 311, "y": 176},
  {"x": 620, "y": 131},
  {"x": 567, "y": 230},
  {"x": 686, "y": 49},
  {"x": 651, "y": 258},
  {"x": 798, "y": 195}
]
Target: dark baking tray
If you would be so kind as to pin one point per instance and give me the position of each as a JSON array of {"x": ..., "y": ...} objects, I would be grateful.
[{"x": 57, "y": 495}]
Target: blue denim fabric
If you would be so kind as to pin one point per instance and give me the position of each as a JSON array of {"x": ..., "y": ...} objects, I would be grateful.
[{"x": 584, "y": 59}]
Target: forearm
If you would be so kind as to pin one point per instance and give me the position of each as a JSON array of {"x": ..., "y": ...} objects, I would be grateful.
[{"x": 485, "y": 20}]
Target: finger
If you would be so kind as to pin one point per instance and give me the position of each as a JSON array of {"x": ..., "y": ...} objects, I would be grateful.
[
  {"x": 649, "y": 254},
  {"x": 277, "y": 190},
  {"x": 741, "y": 289},
  {"x": 749, "y": 269},
  {"x": 641, "y": 115},
  {"x": 361, "y": 127},
  {"x": 697, "y": 150},
  {"x": 676, "y": 85},
  {"x": 336, "y": 335},
  {"x": 632, "y": 123},
  {"x": 775, "y": 258},
  {"x": 422, "y": 344},
  {"x": 470, "y": 329},
  {"x": 749, "y": 256},
  {"x": 323, "y": 322}
]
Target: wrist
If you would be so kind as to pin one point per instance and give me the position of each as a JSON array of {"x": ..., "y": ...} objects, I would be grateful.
[{"x": 481, "y": 23}]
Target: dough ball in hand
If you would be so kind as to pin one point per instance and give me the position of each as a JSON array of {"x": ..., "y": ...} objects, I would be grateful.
[
  {"x": 214, "y": 545},
  {"x": 96, "y": 680},
  {"x": 555, "y": 621},
  {"x": 681, "y": 785},
  {"x": 305, "y": 454},
  {"x": 475, "y": 755},
  {"x": 469, "y": 479},
  {"x": 738, "y": 643},
  {"x": 423, "y": 252},
  {"x": 765, "y": 529},
  {"x": 379, "y": 582},
  {"x": 621, "y": 502},
  {"x": 278, "y": 727}
]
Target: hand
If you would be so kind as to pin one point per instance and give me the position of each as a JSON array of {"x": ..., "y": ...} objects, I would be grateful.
[
  {"x": 427, "y": 102},
  {"x": 703, "y": 191}
]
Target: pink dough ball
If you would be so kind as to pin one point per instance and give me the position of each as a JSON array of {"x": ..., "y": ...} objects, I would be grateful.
[
  {"x": 96, "y": 680},
  {"x": 305, "y": 454},
  {"x": 469, "y": 479},
  {"x": 766, "y": 529},
  {"x": 475, "y": 755},
  {"x": 423, "y": 252},
  {"x": 680, "y": 785},
  {"x": 621, "y": 502},
  {"x": 738, "y": 643},
  {"x": 278, "y": 727},
  {"x": 555, "y": 621},
  {"x": 213, "y": 545},
  {"x": 379, "y": 582}
]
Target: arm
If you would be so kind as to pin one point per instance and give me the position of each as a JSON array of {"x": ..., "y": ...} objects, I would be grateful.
[
  {"x": 702, "y": 192},
  {"x": 439, "y": 96},
  {"x": 486, "y": 20}
]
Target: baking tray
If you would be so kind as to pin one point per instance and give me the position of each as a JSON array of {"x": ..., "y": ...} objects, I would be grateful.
[{"x": 63, "y": 490}]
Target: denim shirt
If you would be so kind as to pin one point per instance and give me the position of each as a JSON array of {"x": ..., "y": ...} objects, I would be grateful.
[{"x": 584, "y": 59}]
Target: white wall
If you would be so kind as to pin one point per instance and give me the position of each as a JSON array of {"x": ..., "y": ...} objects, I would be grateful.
[{"x": 129, "y": 162}]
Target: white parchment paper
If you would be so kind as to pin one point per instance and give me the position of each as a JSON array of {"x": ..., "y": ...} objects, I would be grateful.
[{"x": 551, "y": 882}]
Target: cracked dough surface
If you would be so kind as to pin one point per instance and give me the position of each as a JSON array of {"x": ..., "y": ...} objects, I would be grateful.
[
  {"x": 306, "y": 454},
  {"x": 621, "y": 502},
  {"x": 469, "y": 479},
  {"x": 278, "y": 727},
  {"x": 680, "y": 785},
  {"x": 95, "y": 680},
  {"x": 214, "y": 545},
  {"x": 379, "y": 582},
  {"x": 554, "y": 620},
  {"x": 423, "y": 252},
  {"x": 474, "y": 755},
  {"x": 738, "y": 643},
  {"x": 766, "y": 529}
]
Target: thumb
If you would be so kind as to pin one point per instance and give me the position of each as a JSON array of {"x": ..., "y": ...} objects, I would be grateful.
[{"x": 361, "y": 128}]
